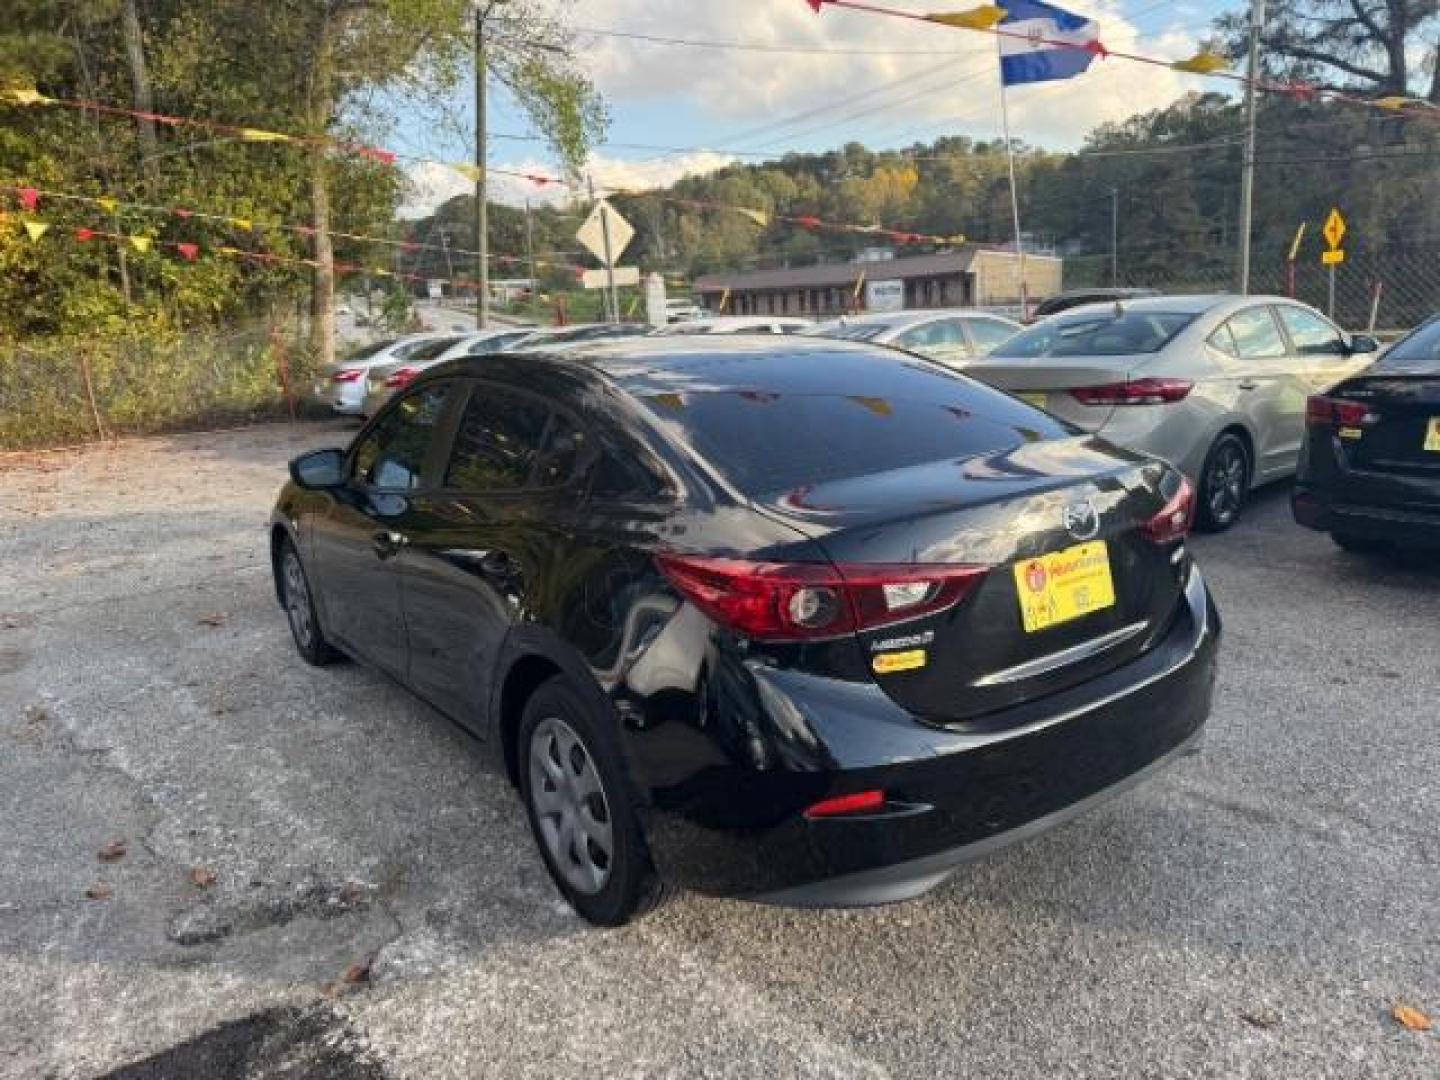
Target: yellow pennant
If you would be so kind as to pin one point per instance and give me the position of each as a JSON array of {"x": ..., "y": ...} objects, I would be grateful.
[
  {"x": 725, "y": 298},
  {"x": 140, "y": 243},
  {"x": 759, "y": 217},
  {"x": 108, "y": 204},
  {"x": 1203, "y": 62},
  {"x": 957, "y": 239},
  {"x": 859, "y": 285},
  {"x": 37, "y": 229},
  {"x": 467, "y": 170},
  {"x": 229, "y": 251},
  {"x": 1397, "y": 102},
  {"x": 257, "y": 135},
  {"x": 983, "y": 17},
  {"x": 242, "y": 223},
  {"x": 22, "y": 95}
]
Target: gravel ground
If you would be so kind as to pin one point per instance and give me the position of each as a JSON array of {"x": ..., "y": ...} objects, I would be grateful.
[{"x": 1256, "y": 912}]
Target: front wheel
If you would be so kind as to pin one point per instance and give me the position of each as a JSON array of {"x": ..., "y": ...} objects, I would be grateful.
[
  {"x": 300, "y": 610},
  {"x": 581, "y": 812},
  {"x": 1224, "y": 484}
]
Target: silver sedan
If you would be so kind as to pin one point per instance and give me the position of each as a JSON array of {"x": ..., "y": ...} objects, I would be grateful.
[
  {"x": 954, "y": 337},
  {"x": 1216, "y": 385}
]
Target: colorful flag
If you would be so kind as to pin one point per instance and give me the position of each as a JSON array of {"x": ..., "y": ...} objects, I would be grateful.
[
  {"x": 759, "y": 217},
  {"x": 983, "y": 17},
  {"x": 140, "y": 243},
  {"x": 36, "y": 229},
  {"x": 189, "y": 251},
  {"x": 1203, "y": 62},
  {"x": 1042, "y": 42},
  {"x": 29, "y": 197}
]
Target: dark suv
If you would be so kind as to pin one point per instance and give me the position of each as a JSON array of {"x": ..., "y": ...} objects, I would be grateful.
[{"x": 796, "y": 620}]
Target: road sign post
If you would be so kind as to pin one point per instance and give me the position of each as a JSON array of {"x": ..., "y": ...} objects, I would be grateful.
[
  {"x": 606, "y": 234},
  {"x": 1334, "y": 232}
]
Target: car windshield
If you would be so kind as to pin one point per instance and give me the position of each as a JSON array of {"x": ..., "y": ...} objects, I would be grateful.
[
  {"x": 1092, "y": 333},
  {"x": 1419, "y": 353},
  {"x": 431, "y": 349}
]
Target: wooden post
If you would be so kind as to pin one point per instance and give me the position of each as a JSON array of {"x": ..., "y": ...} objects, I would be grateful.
[
  {"x": 282, "y": 366},
  {"x": 90, "y": 395}
]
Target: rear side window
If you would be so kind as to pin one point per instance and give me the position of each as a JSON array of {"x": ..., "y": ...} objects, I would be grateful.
[
  {"x": 767, "y": 443},
  {"x": 932, "y": 335},
  {"x": 1256, "y": 335},
  {"x": 1312, "y": 335},
  {"x": 497, "y": 441},
  {"x": 1096, "y": 334},
  {"x": 391, "y": 456},
  {"x": 989, "y": 334},
  {"x": 1420, "y": 352}
]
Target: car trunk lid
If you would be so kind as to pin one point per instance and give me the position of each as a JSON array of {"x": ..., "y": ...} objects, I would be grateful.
[
  {"x": 1401, "y": 429},
  {"x": 1049, "y": 383}
]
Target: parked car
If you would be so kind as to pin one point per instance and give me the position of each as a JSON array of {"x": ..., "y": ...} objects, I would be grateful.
[
  {"x": 953, "y": 337},
  {"x": 383, "y": 380},
  {"x": 341, "y": 385},
  {"x": 1215, "y": 385},
  {"x": 577, "y": 334},
  {"x": 740, "y": 324},
  {"x": 1370, "y": 468},
  {"x": 939, "y": 622},
  {"x": 679, "y": 309},
  {"x": 1054, "y": 305}
]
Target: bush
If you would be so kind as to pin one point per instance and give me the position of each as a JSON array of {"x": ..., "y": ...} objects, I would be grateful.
[{"x": 145, "y": 380}]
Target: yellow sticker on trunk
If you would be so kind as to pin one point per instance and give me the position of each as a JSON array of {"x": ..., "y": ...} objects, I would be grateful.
[
  {"x": 892, "y": 662},
  {"x": 1432, "y": 435},
  {"x": 1064, "y": 585}
]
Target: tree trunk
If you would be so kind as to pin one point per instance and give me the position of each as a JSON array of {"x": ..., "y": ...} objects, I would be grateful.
[
  {"x": 322, "y": 289},
  {"x": 139, "y": 74},
  {"x": 1434, "y": 95}
]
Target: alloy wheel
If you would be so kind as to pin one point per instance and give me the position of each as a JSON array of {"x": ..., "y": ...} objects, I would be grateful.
[
  {"x": 570, "y": 806},
  {"x": 297, "y": 601},
  {"x": 1225, "y": 483}
]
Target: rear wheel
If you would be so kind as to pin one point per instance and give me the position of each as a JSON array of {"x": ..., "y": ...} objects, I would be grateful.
[
  {"x": 300, "y": 610},
  {"x": 1224, "y": 483},
  {"x": 581, "y": 809},
  {"x": 1360, "y": 545}
]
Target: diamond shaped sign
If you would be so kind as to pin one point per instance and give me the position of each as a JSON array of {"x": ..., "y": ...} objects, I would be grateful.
[
  {"x": 1334, "y": 228},
  {"x": 592, "y": 233}
]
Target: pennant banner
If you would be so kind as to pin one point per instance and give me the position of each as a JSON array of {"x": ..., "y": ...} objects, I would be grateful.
[
  {"x": 109, "y": 205},
  {"x": 1202, "y": 63},
  {"x": 983, "y": 17},
  {"x": 36, "y": 229},
  {"x": 140, "y": 243},
  {"x": 257, "y": 135},
  {"x": 470, "y": 171},
  {"x": 759, "y": 217}
]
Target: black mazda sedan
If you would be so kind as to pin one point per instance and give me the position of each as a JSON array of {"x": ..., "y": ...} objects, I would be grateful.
[
  {"x": 800, "y": 621},
  {"x": 1370, "y": 466}
]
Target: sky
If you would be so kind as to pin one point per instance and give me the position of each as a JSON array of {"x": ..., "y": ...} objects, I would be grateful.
[{"x": 804, "y": 82}]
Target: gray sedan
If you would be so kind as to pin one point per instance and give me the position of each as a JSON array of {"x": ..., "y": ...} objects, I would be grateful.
[
  {"x": 954, "y": 337},
  {"x": 1216, "y": 385}
]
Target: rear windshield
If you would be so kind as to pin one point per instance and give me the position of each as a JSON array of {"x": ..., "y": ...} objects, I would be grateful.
[
  {"x": 1096, "y": 334},
  {"x": 866, "y": 331},
  {"x": 1420, "y": 352},
  {"x": 367, "y": 351},
  {"x": 769, "y": 442}
]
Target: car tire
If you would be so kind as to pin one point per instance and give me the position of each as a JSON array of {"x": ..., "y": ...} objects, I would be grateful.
[
  {"x": 1224, "y": 484},
  {"x": 300, "y": 612},
  {"x": 582, "y": 809},
  {"x": 1359, "y": 545}
]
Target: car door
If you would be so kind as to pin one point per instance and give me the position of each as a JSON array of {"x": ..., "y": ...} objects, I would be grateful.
[
  {"x": 941, "y": 339},
  {"x": 488, "y": 537},
  {"x": 1258, "y": 381},
  {"x": 355, "y": 542},
  {"x": 1320, "y": 348}
]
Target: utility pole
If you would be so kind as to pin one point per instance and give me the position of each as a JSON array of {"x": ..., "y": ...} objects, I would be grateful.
[
  {"x": 530, "y": 254},
  {"x": 1247, "y": 174},
  {"x": 482, "y": 194},
  {"x": 1114, "y": 236}
]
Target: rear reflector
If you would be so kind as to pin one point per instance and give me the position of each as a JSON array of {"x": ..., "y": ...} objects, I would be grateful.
[
  {"x": 795, "y": 601},
  {"x": 1175, "y": 517},
  {"x": 347, "y": 375},
  {"x": 402, "y": 378},
  {"x": 1327, "y": 412},
  {"x": 858, "y": 803},
  {"x": 1134, "y": 392}
]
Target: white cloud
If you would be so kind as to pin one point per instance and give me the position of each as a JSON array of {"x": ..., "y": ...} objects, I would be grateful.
[{"x": 432, "y": 183}]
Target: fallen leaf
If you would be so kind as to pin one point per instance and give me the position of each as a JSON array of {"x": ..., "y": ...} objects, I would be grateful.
[
  {"x": 98, "y": 891},
  {"x": 201, "y": 877},
  {"x": 334, "y": 989},
  {"x": 1261, "y": 1018},
  {"x": 214, "y": 618},
  {"x": 357, "y": 972},
  {"x": 1411, "y": 1017},
  {"x": 114, "y": 851}
]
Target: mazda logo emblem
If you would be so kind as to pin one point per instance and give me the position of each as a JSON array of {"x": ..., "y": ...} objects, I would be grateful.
[{"x": 1081, "y": 519}]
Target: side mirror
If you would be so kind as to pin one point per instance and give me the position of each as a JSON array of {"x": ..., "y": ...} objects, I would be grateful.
[
  {"x": 1363, "y": 343},
  {"x": 319, "y": 469}
]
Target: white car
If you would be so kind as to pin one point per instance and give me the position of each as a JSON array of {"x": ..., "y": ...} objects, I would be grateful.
[
  {"x": 738, "y": 324},
  {"x": 341, "y": 385},
  {"x": 955, "y": 337},
  {"x": 680, "y": 310},
  {"x": 383, "y": 380}
]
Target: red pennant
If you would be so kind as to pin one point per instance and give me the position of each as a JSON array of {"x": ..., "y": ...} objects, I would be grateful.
[
  {"x": 1300, "y": 91},
  {"x": 190, "y": 251},
  {"x": 82, "y": 233},
  {"x": 181, "y": 212},
  {"x": 539, "y": 181},
  {"x": 815, "y": 5},
  {"x": 378, "y": 153},
  {"x": 29, "y": 197},
  {"x": 807, "y": 222},
  {"x": 1097, "y": 48}
]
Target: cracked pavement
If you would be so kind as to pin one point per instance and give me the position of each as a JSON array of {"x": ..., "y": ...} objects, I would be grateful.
[{"x": 1254, "y": 912}]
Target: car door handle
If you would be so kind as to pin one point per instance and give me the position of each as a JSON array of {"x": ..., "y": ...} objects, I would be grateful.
[
  {"x": 388, "y": 544},
  {"x": 1248, "y": 384}
]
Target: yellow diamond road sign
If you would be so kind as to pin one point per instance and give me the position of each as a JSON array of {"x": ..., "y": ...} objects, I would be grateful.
[{"x": 1334, "y": 229}]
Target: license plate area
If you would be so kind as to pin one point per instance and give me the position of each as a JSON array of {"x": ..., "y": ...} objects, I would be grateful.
[
  {"x": 1432, "y": 435},
  {"x": 1064, "y": 585}
]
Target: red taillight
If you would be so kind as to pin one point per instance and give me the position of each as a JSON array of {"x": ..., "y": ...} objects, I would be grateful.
[
  {"x": 1134, "y": 392},
  {"x": 1328, "y": 412},
  {"x": 1175, "y": 517},
  {"x": 402, "y": 377},
  {"x": 858, "y": 803},
  {"x": 347, "y": 375},
  {"x": 796, "y": 601}
]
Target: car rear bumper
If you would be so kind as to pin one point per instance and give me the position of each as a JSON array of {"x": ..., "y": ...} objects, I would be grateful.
[
  {"x": 1405, "y": 522},
  {"x": 951, "y": 793}
]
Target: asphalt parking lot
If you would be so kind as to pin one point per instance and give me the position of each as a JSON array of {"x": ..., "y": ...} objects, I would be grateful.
[{"x": 1256, "y": 912}]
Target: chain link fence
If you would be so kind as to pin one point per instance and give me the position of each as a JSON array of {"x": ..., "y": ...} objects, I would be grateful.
[
  {"x": 1387, "y": 289},
  {"x": 61, "y": 391}
]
